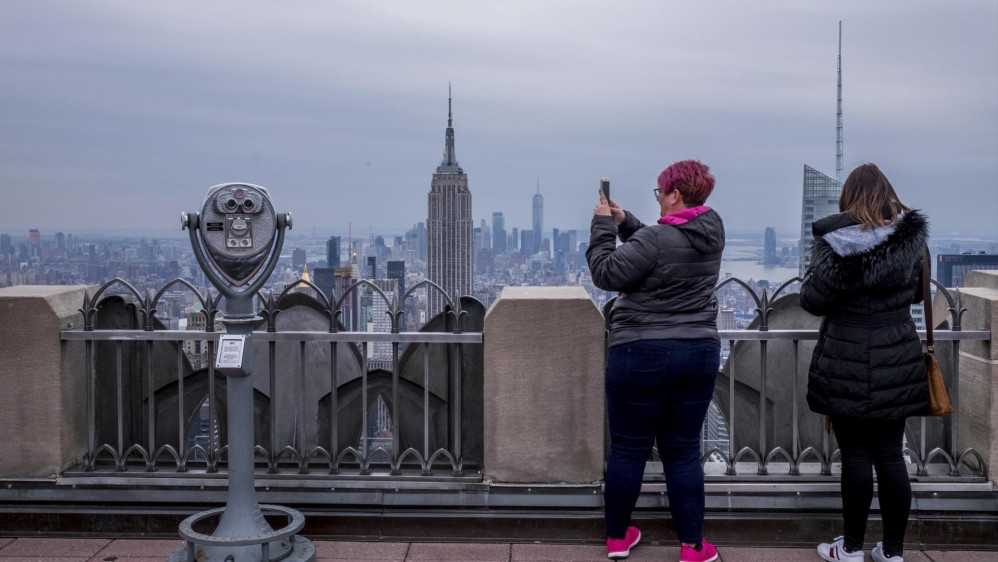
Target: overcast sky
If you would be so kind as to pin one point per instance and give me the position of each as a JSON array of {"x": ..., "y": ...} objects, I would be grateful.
[{"x": 121, "y": 114}]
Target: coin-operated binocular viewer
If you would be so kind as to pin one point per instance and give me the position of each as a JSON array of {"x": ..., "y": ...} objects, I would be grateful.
[{"x": 237, "y": 239}]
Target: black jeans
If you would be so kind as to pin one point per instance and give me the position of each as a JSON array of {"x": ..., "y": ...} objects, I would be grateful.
[
  {"x": 658, "y": 390},
  {"x": 867, "y": 446}
]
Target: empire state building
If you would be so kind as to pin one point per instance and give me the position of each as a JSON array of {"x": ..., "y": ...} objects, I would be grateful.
[{"x": 448, "y": 227}]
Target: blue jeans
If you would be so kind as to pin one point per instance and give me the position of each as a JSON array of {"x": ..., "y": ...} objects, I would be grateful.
[{"x": 658, "y": 390}]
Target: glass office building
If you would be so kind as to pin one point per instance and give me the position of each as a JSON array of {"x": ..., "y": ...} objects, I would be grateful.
[{"x": 821, "y": 199}]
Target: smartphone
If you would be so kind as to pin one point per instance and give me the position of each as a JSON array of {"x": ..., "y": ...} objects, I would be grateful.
[{"x": 604, "y": 185}]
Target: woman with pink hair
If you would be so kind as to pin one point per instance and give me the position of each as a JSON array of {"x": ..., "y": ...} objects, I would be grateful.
[{"x": 663, "y": 349}]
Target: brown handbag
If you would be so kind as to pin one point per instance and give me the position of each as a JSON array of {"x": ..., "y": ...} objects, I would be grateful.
[{"x": 939, "y": 404}]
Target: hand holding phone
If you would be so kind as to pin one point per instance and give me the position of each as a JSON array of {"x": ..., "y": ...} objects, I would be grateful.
[{"x": 616, "y": 212}]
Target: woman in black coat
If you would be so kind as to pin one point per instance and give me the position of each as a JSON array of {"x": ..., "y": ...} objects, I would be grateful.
[{"x": 868, "y": 373}]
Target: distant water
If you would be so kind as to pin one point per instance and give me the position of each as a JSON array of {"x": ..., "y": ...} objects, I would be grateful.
[
  {"x": 743, "y": 261},
  {"x": 746, "y": 270}
]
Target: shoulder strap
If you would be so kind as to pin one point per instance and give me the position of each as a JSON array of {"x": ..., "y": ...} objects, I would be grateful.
[{"x": 927, "y": 300}]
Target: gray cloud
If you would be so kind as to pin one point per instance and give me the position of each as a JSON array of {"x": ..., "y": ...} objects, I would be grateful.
[{"x": 132, "y": 110}]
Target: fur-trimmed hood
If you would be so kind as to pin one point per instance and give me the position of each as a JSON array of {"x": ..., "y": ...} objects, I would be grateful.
[{"x": 847, "y": 257}]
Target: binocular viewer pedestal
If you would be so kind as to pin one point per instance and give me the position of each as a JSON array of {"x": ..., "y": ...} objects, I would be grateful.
[{"x": 237, "y": 239}]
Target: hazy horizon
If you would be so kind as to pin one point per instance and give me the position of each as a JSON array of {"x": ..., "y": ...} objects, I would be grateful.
[{"x": 732, "y": 236}]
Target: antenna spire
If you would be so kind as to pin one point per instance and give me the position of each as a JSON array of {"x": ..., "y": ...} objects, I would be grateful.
[
  {"x": 449, "y": 164},
  {"x": 838, "y": 117}
]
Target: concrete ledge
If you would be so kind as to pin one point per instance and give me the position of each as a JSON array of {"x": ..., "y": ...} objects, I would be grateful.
[
  {"x": 986, "y": 279},
  {"x": 543, "y": 387},
  {"x": 759, "y": 511},
  {"x": 758, "y": 529},
  {"x": 42, "y": 389},
  {"x": 979, "y": 369}
]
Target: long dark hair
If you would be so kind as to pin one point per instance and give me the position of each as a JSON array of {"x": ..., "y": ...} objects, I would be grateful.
[{"x": 870, "y": 198}]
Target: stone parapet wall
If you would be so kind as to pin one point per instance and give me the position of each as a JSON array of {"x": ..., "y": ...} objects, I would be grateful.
[
  {"x": 543, "y": 395},
  {"x": 543, "y": 388},
  {"x": 42, "y": 387},
  {"x": 979, "y": 369}
]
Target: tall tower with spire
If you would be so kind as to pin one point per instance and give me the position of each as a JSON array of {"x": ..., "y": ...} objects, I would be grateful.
[
  {"x": 821, "y": 192},
  {"x": 838, "y": 116},
  {"x": 449, "y": 225},
  {"x": 538, "y": 218}
]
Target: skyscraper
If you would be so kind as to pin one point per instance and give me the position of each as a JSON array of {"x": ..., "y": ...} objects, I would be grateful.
[
  {"x": 34, "y": 243},
  {"x": 769, "y": 256},
  {"x": 343, "y": 279},
  {"x": 333, "y": 252},
  {"x": 415, "y": 241},
  {"x": 196, "y": 350},
  {"x": 486, "y": 236},
  {"x": 380, "y": 320},
  {"x": 538, "y": 219},
  {"x": 821, "y": 199},
  {"x": 476, "y": 241},
  {"x": 396, "y": 271},
  {"x": 323, "y": 278},
  {"x": 298, "y": 258},
  {"x": 821, "y": 193},
  {"x": 448, "y": 226},
  {"x": 498, "y": 234},
  {"x": 951, "y": 269}
]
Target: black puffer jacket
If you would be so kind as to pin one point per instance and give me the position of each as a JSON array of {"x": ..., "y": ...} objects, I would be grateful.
[
  {"x": 665, "y": 274},
  {"x": 868, "y": 363}
]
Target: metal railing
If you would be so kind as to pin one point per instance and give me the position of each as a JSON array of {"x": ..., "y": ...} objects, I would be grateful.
[
  {"x": 142, "y": 393},
  {"x": 136, "y": 374},
  {"x": 931, "y": 443}
]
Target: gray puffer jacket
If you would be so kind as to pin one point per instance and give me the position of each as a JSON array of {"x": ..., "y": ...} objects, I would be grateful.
[
  {"x": 665, "y": 275},
  {"x": 867, "y": 364}
]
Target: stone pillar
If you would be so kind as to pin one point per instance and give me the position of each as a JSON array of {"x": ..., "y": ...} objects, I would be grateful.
[
  {"x": 979, "y": 369},
  {"x": 42, "y": 391},
  {"x": 543, "y": 387}
]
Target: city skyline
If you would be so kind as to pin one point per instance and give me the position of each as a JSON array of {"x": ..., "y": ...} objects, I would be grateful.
[
  {"x": 335, "y": 109},
  {"x": 151, "y": 263}
]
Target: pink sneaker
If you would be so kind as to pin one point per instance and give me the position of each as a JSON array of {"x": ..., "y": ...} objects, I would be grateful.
[
  {"x": 706, "y": 554},
  {"x": 617, "y": 549}
]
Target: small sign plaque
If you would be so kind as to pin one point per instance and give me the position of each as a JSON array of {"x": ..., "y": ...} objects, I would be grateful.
[{"x": 230, "y": 351}]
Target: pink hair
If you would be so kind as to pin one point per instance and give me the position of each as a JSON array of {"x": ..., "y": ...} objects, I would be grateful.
[{"x": 693, "y": 180}]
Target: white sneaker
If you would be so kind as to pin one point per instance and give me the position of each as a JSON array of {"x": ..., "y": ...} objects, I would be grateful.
[
  {"x": 836, "y": 550},
  {"x": 879, "y": 556}
]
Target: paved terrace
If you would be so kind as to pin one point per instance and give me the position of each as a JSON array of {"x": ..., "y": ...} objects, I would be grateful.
[{"x": 147, "y": 550}]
